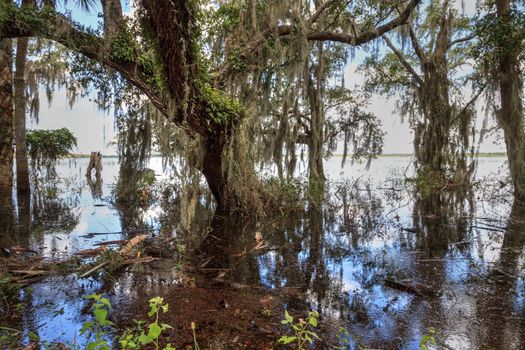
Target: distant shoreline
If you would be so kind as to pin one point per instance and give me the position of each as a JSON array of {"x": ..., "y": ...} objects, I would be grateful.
[{"x": 386, "y": 155}]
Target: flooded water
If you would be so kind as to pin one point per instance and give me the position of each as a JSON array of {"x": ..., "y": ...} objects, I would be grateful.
[{"x": 466, "y": 251}]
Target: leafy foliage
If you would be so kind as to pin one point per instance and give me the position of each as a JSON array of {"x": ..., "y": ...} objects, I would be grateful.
[
  {"x": 45, "y": 147},
  {"x": 150, "y": 333},
  {"x": 99, "y": 324},
  {"x": 302, "y": 330}
]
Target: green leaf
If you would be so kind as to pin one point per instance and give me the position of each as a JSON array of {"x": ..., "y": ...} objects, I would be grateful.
[
  {"x": 154, "y": 331},
  {"x": 165, "y": 326},
  {"x": 144, "y": 339},
  {"x": 313, "y": 321},
  {"x": 86, "y": 326},
  {"x": 105, "y": 302},
  {"x": 100, "y": 315},
  {"x": 92, "y": 296},
  {"x": 286, "y": 339}
]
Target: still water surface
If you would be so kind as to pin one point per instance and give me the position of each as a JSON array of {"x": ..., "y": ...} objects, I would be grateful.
[{"x": 466, "y": 249}]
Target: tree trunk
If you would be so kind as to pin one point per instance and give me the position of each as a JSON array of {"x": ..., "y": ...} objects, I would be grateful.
[
  {"x": 95, "y": 162},
  {"x": 510, "y": 115},
  {"x": 229, "y": 172},
  {"x": 6, "y": 118},
  {"x": 215, "y": 171},
  {"x": 113, "y": 19},
  {"x": 315, "y": 95},
  {"x": 432, "y": 136},
  {"x": 22, "y": 165}
]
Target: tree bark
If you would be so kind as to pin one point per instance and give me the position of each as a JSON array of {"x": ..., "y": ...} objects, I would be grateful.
[
  {"x": 316, "y": 139},
  {"x": 6, "y": 118},
  {"x": 22, "y": 164},
  {"x": 113, "y": 19},
  {"x": 510, "y": 115},
  {"x": 174, "y": 25}
]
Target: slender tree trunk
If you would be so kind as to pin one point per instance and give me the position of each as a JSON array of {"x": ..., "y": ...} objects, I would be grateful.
[
  {"x": 315, "y": 144},
  {"x": 510, "y": 115},
  {"x": 6, "y": 118},
  {"x": 22, "y": 165}
]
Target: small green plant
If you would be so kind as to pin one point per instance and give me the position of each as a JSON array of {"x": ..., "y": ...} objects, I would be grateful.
[
  {"x": 303, "y": 330},
  {"x": 348, "y": 341},
  {"x": 144, "y": 334},
  {"x": 428, "y": 338},
  {"x": 100, "y": 309}
]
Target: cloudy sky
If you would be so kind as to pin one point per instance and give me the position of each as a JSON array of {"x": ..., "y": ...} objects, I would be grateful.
[{"x": 95, "y": 129}]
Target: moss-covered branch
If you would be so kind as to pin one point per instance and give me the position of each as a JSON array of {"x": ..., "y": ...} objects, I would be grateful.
[{"x": 29, "y": 21}]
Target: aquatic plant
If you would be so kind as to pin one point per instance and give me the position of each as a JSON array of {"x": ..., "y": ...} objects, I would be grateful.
[{"x": 427, "y": 339}]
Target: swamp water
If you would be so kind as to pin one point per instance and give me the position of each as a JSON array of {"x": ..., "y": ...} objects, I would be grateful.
[{"x": 465, "y": 249}]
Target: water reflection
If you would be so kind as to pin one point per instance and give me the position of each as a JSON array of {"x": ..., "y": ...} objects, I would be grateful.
[
  {"x": 333, "y": 256},
  {"x": 500, "y": 300}
]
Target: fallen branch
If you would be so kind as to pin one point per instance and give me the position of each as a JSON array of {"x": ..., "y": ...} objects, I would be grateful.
[
  {"x": 99, "y": 266},
  {"x": 117, "y": 241},
  {"x": 131, "y": 244}
]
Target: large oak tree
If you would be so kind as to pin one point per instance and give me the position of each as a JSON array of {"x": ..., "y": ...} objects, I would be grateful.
[{"x": 160, "y": 54}]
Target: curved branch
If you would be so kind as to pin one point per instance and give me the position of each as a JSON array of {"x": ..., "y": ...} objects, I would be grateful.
[
  {"x": 365, "y": 37},
  {"x": 461, "y": 40},
  {"x": 54, "y": 26},
  {"x": 284, "y": 30},
  {"x": 319, "y": 11}
]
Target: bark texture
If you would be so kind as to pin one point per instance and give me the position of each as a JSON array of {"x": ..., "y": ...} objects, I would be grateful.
[
  {"x": 113, "y": 19},
  {"x": 6, "y": 117},
  {"x": 510, "y": 115},
  {"x": 22, "y": 164}
]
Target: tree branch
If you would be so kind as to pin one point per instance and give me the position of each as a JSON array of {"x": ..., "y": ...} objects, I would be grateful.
[
  {"x": 284, "y": 30},
  {"x": 461, "y": 40},
  {"x": 403, "y": 60},
  {"x": 469, "y": 103},
  {"x": 365, "y": 37},
  {"x": 56, "y": 27},
  {"x": 319, "y": 11},
  {"x": 420, "y": 53}
]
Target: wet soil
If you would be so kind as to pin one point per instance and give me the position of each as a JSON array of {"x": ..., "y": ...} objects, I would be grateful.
[{"x": 225, "y": 317}]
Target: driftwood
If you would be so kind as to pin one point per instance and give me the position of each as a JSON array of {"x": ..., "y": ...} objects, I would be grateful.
[
  {"x": 411, "y": 230},
  {"x": 90, "y": 271},
  {"x": 93, "y": 234},
  {"x": 126, "y": 250}
]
